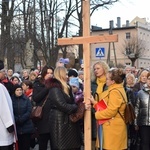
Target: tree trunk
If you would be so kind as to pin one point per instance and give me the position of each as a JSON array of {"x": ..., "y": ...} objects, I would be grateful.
[{"x": 133, "y": 61}]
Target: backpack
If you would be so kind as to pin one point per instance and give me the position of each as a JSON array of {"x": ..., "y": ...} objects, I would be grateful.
[{"x": 129, "y": 114}]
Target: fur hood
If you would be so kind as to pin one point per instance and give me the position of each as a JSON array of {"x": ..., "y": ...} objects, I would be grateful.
[{"x": 52, "y": 82}]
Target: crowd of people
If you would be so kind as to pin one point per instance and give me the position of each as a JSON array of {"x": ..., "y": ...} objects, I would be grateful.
[
  {"x": 61, "y": 90},
  {"x": 134, "y": 85}
]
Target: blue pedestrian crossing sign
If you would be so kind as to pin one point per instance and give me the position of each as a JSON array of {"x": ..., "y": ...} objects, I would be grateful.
[{"x": 100, "y": 52}]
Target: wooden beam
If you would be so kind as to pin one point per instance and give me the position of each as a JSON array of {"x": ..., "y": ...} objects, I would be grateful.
[
  {"x": 87, "y": 67},
  {"x": 88, "y": 39}
]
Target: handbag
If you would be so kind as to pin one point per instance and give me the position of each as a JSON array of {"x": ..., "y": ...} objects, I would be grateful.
[
  {"x": 37, "y": 111},
  {"x": 79, "y": 114}
]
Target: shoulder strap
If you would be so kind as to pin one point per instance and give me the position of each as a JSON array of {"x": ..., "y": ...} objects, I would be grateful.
[
  {"x": 96, "y": 96},
  {"x": 120, "y": 93},
  {"x": 123, "y": 99},
  {"x": 105, "y": 87},
  {"x": 44, "y": 101}
]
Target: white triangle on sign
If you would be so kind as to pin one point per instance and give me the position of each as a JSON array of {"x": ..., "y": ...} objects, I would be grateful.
[{"x": 99, "y": 52}]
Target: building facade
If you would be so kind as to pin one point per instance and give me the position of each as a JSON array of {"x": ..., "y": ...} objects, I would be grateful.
[{"x": 135, "y": 34}]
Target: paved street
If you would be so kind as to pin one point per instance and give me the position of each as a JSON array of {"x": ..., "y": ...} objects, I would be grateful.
[{"x": 37, "y": 147}]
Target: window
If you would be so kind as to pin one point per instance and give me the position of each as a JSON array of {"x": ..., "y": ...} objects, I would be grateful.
[
  {"x": 128, "y": 35},
  {"x": 127, "y": 64},
  {"x": 128, "y": 51}
]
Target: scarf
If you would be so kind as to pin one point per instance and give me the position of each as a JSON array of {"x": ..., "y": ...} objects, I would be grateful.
[
  {"x": 28, "y": 92},
  {"x": 100, "y": 82}
]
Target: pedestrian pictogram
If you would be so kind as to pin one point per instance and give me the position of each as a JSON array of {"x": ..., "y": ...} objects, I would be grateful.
[{"x": 100, "y": 52}]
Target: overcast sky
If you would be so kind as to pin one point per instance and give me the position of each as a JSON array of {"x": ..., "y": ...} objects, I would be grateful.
[{"x": 126, "y": 9}]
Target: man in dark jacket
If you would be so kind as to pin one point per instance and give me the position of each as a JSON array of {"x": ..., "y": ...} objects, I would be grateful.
[{"x": 6, "y": 82}]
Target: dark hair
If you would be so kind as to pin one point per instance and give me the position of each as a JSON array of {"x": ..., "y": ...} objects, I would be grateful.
[
  {"x": 117, "y": 75},
  {"x": 148, "y": 74},
  {"x": 44, "y": 71},
  {"x": 15, "y": 77},
  {"x": 28, "y": 83},
  {"x": 15, "y": 87}
]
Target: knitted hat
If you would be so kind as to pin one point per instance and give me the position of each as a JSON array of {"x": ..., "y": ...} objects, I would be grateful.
[
  {"x": 72, "y": 72},
  {"x": 16, "y": 86},
  {"x": 16, "y": 75},
  {"x": 64, "y": 60},
  {"x": 74, "y": 82}
]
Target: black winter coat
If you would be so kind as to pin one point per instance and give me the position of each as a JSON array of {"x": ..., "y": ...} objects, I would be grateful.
[
  {"x": 64, "y": 134},
  {"x": 40, "y": 93},
  {"x": 130, "y": 95},
  {"x": 9, "y": 86},
  {"x": 22, "y": 110}
]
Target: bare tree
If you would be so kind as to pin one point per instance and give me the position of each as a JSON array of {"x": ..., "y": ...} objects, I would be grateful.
[
  {"x": 41, "y": 22},
  {"x": 53, "y": 27},
  {"x": 133, "y": 48},
  {"x": 94, "y": 6},
  {"x": 6, "y": 42}
]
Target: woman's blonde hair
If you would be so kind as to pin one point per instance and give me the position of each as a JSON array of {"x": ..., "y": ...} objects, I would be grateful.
[
  {"x": 104, "y": 66},
  {"x": 144, "y": 71},
  {"x": 32, "y": 74},
  {"x": 60, "y": 74},
  {"x": 132, "y": 76}
]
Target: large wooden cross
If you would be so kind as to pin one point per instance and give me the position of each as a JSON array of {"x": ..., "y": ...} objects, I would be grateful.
[{"x": 86, "y": 40}]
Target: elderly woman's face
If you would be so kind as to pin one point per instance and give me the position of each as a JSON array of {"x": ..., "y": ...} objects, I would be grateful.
[
  {"x": 130, "y": 80},
  {"x": 143, "y": 76},
  {"x": 98, "y": 70}
]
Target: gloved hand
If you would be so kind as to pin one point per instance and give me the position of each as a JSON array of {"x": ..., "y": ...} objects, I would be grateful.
[{"x": 10, "y": 129}]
